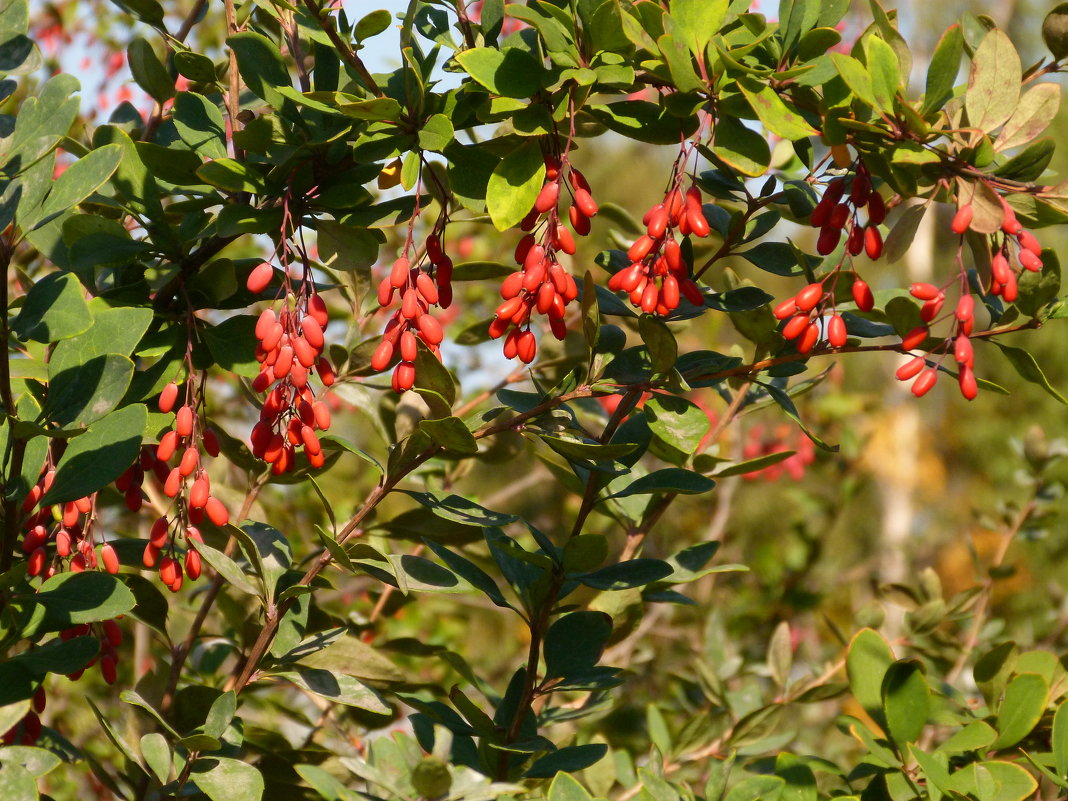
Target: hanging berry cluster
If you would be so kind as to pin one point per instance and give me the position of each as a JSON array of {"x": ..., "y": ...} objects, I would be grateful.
[
  {"x": 658, "y": 276},
  {"x": 70, "y": 527},
  {"x": 542, "y": 283},
  {"x": 291, "y": 341},
  {"x": 28, "y": 729},
  {"x": 187, "y": 483},
  {"x": 1013, "y": 249},
  {"x": 420, "y": 284},
  {"x": 836, "y": 213}
]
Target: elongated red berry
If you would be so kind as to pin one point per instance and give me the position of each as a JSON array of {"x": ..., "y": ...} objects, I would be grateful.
[
  {"x": 914, "y": 337},
  {"x": 168, "y": 397},
  {"x": 547, "y": 197},
  {"x": 216, "y": 512},
  {"x": 969, "y": 387},
  {"x": 924, "y": 291},
  {"x": 808, "y": 297},
  {"x": 584, "y": 202},
  {"x": 260, "y": 277},
  {"x": 873, "y": 242},
  {"x": 836, "y": 331},
  {"x": 795, "y": 327},
  {"x": 963, "y": 352},
  {"x": 962, "y": 220},
  {"x": 110, "y": 558},
  {"x": 1029, "y": 261},
  {"x": 183, "y": 423},
  {"x": 924, "y": 381}
]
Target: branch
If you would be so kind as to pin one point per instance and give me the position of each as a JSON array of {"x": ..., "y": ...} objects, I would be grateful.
[{"x": 326, "y": 22}]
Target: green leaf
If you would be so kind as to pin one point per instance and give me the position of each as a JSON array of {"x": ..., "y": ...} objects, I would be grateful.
[
  {"x": 508, "y": 73},
  {"x": 942, "y": 72},
  {"x": 99, "y": 456},
  {"x": 574, "y": 643},
  {"x": 227, "y": 568},
  {"x": 773, "y": 112},
  {"x": 976, "y": 736},
  {"x": 225, "y": 779},
  {"x": 461, "y": 510},
  {"x": 195, "y": 66},
  {"x": 905, "y": 700},
  {"x": 115, "y": 330},
  {"x": 867, "y": 662},
  {"x": 157, "y": 755},
  {"x": 200, "y": 125},
  {"x": 994, "y": 82},
  {"x": 757, "y": 788},
  {"x": 83, "y": 394},
  {"x": 1037, "y": 109},
  {"x": 37, "y": 761},
  {"x": 436, "y": 134},
  {"x": 1025, "y": 701},
  {"x": 54, "y": 309},
  {"x": 626, "y": 575},
  {"x": 668, "y": 479},
  {"x": 232, "y": 175},
  {"x": 514, "y": 185},
  {"x": 148, "y": 71},
  {"x": 17, "y": 783},
  {"x": 469, "y": 572},
  {"x": 70, "y": 599},
  {"x": 77, "y": 182},
  {"x": 566, "y": 787},
  {"x": 339, "y": 688},
  {"x": 566, "y": 760},
  {"x": 856, "y": 77},
  {"x": 799, "y": 778},
  {"x": 372, "y": 24},
  {"x": 269, "y": 551},
  {"x": 1060, "y": 740},
  {"x": 677, "y": 421},
  {"x": 451, "y": 434},
  {"x": 643, "y": 121},
  {"x": 663, "y": 349},
  {"x": 680, "y": 64},
  {"x": 882, "y": 66},
  {"x": 741, "y": 148},
  {"x": 232, "y": 344},
  {"x": 697, "y": 21},
  {"x": 1028, "y": 369},
  {"x": 260, "y": 63}
]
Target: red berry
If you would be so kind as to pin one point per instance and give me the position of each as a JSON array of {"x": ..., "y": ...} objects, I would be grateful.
[
  {"x": 969, "y": 387},
  {"x": 962, "y": 219},
  {"x": 109, "y": 558},
  {"x": 873, "y": 242},
  {"x": 924, "y": 381},
  {"x": 260, "y": 277},
  {"x": 808, "y": 297},
  {"x": 794, "y": 328},
  {"x": 216, "y": 512},
  {"x": 168, "y": 397},
  {"x": 183, "y": 423},
  {"x": 836, "y": 331},
  {"x": 914, "y": 337},
  {"x": 924, "y": 291}
]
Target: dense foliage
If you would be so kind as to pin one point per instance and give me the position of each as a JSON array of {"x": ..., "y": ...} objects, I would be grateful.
[{"x": 280, "y": 520}]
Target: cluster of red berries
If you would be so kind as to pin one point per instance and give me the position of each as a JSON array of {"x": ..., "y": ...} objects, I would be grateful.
[
  {"x": 762, "y": 442},
  {"x": 70, "y": 527},
  {"x": 28, "y": 729},
  {"x": 1025, "y": 248},
  {"x": 188, "y": 480},
  {"x": 290, "y": 345},
  {"x": 805, "y": 312},
  {"x": 419, "y": 286},
  {"x": 836, "y": 213},
  {"x": 542, "y": 284},
  {"x": 924, "y": 372},
  {"x": 162, "y": 551},
  {"x": 110, "y": 636},
  {"x": 658, "y": 275}
]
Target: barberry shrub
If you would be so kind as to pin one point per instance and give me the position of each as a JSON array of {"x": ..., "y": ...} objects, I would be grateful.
[{"x": 276, "y": 499}]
